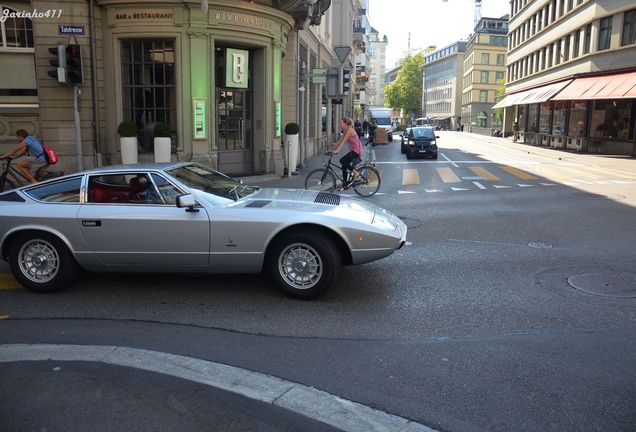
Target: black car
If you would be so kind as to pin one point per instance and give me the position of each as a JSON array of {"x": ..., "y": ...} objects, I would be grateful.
[
  {"x": 421, "y": 142},
  {"x": 405, "y": 140}
]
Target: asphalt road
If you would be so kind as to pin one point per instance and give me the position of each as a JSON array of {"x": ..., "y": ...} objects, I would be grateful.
[{"x": 472, "y": 327}]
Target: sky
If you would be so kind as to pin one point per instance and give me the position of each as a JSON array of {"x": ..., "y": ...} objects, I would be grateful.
[{"x": 431, "y": 22}]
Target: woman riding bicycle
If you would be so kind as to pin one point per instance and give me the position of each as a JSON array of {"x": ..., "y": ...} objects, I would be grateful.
[
  {"x": 353, "y": 157},
  {"x": 31, "y": 150}
]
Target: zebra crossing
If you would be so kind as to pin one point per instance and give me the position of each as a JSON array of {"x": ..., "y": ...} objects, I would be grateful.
[{"x": 497, "y": 176}]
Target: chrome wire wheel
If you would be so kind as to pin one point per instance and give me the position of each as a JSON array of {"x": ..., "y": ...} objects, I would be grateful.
[
  {"x": 300, "y": 266},
  {"x": 39, "y": 261}
]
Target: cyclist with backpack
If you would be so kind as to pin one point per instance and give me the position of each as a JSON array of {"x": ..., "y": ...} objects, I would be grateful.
[{"x": 30, "y": 153}]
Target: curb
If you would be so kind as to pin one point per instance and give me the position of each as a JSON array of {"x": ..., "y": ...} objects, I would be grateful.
[{"x": 307, "y": 401}]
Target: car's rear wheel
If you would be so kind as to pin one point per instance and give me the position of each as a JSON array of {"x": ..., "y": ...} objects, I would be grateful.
[
  {"x": 304, "y": 264},
  {"x": 41, "y": 262}
]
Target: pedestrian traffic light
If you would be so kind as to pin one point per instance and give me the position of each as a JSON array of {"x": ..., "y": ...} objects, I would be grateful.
[
  {"x": 59, "y": 62},
  {"x": 343, "y": 81},
  {"x": 74, "y": 64}
]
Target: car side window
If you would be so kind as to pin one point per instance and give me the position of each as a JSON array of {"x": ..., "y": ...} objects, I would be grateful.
[
  {"x": 124, "y": 188},
  {"x": 166, "y": 189},
  {"x": 65, "y": 191}
]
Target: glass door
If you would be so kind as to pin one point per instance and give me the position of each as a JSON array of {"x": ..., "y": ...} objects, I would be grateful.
[{"x": 234, "y": 131}]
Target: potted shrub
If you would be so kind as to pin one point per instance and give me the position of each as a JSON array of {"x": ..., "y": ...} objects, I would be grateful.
[
  {"x": 127, "y": 131},
  {"x": 291, "y": 141},
  {"x": 163, "y": 142}
]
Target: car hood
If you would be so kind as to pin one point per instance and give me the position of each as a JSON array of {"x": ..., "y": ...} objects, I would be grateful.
[{"x": 325, "y": 203}]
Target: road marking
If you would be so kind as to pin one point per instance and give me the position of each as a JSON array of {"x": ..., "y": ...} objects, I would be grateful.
[
  {"x": 547, "y": 184},
  {"x": 7, "y": 281},
  {"x": 518, "y": 173},
  {"x": 432, "y": 190},
  {"x": 552, "y": 174},
  {"x": 580, "y": 172},
  {"x": 609, "y": 171},
  {"x": 501, "y": 187},
  {"x": 310, "y": 402},
  {"x": 480, "y": 186},
  {"x": 455, "y": 189},
  {"x": 484, "y": 173},
  {"x": 401, "y": 192},
  {"x": 449, "y": 160},
  {"x": 410, "y": 176},
  {"x": 447, "y": 175},
  {"x": 524, "y": 185}
]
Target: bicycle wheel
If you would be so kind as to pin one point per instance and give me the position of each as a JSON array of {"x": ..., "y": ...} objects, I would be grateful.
[
  {"x": 368, "y": 183},
  {"x": 320, "y": 179},
  {"x": 7, "y": 185}
]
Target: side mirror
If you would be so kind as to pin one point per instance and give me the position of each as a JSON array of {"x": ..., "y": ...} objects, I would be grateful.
[
  {"x": 436, "y": 136},
  {"x": 187, "y": 201}
]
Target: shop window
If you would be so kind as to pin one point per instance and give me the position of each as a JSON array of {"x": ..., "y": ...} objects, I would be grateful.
[
  {"x": 521, "y": 116},
  {"x": 17, "y": 61},
  {"x": 533, "y": 117},
  {"x": 148, "y": 85},
  {"x": 611, "y": 119},
  {"x": 629, "y": 28},
  {"x": 544, "y": 118},
  {"x": 605, "y": 33},
  {"x": 313, "y": 100},
  {"x": 482, "y": 119},
  {"x": 578, "y": 119},
  {"x": 558, "y": 117}
]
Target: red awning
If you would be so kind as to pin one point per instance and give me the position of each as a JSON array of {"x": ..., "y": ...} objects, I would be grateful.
[
  {"x": 616, "y": 86},
  {"x": 531, "y": 96}
]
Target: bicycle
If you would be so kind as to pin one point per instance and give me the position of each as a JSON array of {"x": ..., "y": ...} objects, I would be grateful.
[
  {"x": 366, "y": 184},
  {"x": 12, "y": 178}
]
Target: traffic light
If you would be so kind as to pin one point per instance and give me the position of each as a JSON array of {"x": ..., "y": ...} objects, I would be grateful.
[
  {"x": 344, "y": 77},
  {"x": 333, "y": 82},
  {"x": 74, "y": 64},
  {"x": 59, "y": 73}
]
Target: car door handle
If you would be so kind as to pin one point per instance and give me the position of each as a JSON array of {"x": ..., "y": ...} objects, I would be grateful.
[{"x": 91, "y": 223}]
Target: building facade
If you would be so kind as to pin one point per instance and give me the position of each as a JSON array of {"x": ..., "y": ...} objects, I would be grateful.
[
  {"x": 377, "y": 55},
  {"x": 484, "y": 74},
  {"x": 226, "y": 80},
  {"x": 571, "y": 81},
  {"x": 443, "y": 72}
]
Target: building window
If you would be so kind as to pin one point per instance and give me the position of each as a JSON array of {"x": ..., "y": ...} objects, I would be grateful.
[
  {"x": 629, "y": 28},
  {"x": 17, "y": 61},
  {"x": 605, "y": 34},
  {"x": 611, "y": 118},
  {"x": 485, "y": 58},
  {"x": 483, "y": 95},
  {"x": 484, "y": 77},
  {"x": 577, "y": 43},
  {"x": 566, "y": 48},
  {"x": 544, "y": 118},
  {"x": 587, "y": 42},
  {"x": 558, "y": 121},
  {"x": 501, "y": 59},
  {"x": 578, "y": 119},
  {"x": 482, "y": 119},
  {"x": 558, "y": 56},
  {"x": 499, "y": 76},
  {"x": 148, "y": 84}
]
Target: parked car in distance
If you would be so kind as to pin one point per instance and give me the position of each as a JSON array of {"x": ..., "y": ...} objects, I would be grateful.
[
  {"x": 421, "y": 142},
  {"x": 185, "y": 217},
  {"x": 404, "y": 140}
]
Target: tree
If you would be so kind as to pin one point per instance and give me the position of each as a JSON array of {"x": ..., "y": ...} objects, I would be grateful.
[
  {"x": 498, "y": 114},
  {"x": 405, "y": 92}
]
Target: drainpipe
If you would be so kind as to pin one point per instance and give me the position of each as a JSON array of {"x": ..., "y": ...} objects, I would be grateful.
[{"x": 97, "y": 145}]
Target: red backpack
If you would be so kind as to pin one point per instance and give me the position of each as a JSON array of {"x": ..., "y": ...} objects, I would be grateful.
[{"x": 50, "y": 155}]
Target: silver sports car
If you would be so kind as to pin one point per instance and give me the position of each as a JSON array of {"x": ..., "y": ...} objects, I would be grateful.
[{"x": 185, "y": 217}]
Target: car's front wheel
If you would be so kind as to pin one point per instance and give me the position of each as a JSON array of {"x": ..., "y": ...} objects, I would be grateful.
[
  {"x": 304, "y": 264},
  {"x": 41, "y": 262}
]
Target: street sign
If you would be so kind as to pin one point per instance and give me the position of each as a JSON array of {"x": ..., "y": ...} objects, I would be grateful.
[
  {"x": 342, "y": 52},
  {"x": 319, "y": 76},
  {"x": 77, "y": 30}
]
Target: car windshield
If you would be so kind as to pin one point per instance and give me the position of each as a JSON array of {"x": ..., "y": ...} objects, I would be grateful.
[
  {"x": 422, "y": 133},
  {"x": 212, "y": 182},
  {"x": 383, "y": 121}
]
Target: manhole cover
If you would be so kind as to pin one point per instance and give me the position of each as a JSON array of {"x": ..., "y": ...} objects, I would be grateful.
[{"x": 617, "y": 285}]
